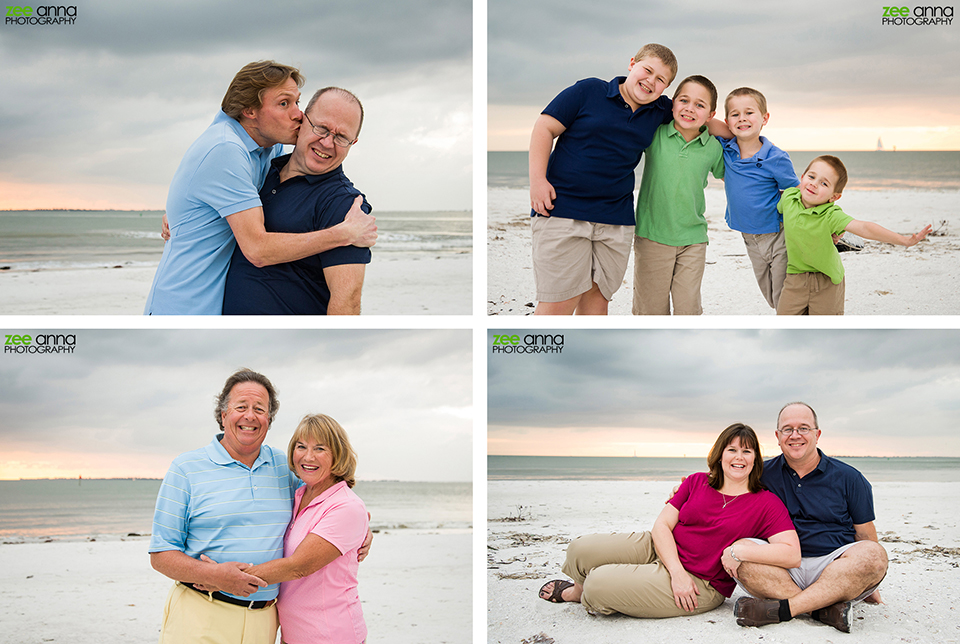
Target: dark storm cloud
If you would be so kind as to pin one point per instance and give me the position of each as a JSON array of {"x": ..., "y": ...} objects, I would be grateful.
[
  {"x": 152, "y": 392},
  {"x": 685, "y": 380},
  {"x": 819, "y": 51}
]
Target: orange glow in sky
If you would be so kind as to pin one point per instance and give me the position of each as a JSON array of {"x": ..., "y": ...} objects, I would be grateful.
[
  {"x": 790, "y": 128},
  {"x": 71, "y": 465}
]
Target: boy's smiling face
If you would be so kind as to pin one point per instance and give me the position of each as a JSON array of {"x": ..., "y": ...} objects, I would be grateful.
[
  {"x": 646, "y": 80},
  {"x": 817, "y": 185},
  {"x": 744, "y": 117},
  {"x": 691, "y": 107}
]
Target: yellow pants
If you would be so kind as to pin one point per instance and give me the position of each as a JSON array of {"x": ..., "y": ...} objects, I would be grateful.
[{"x": 192, "y": 618}]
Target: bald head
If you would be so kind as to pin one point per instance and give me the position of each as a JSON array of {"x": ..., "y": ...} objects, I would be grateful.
[{"x": 816, "y": 424}]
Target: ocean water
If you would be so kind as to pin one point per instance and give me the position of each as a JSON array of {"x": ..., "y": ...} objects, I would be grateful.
[
  {"x": 63, "y": 239},
  {"x": 36, "y": 510},
  {"x": 876, "y": 469},
  {"x": 867, "y": 170}
]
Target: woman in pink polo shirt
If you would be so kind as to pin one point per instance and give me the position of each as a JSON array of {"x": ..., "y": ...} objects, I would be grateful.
[{"x": 318, "y": 600}]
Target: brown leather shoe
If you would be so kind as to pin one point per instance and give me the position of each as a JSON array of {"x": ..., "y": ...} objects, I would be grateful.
[
  {"x": 751, "y": 611},
  {"x": 836, "y": 615}
]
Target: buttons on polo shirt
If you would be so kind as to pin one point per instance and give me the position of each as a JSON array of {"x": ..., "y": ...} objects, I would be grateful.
[{"x": 274, "y": 191}]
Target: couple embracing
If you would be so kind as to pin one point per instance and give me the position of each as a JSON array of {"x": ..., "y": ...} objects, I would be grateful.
[{"x": 796, "y": 533}]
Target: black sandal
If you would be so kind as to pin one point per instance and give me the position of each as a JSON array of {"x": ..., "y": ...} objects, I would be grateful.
[{"x": 559, "y": 585}]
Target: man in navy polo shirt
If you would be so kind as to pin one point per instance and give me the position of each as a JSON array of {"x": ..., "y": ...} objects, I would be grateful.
[
  {"x": 307, "y": 191},
  {"x": 831, "y": 505}
]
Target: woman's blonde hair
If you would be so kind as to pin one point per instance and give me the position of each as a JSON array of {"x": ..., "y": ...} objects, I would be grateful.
[{"x": 320, "y": 428}]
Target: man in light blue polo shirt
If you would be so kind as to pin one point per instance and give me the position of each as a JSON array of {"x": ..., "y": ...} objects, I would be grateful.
[
  {"x": 231, "y": 501},
  {"x": 213, "y": 203}
]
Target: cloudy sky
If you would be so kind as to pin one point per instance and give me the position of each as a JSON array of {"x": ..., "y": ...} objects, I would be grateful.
[
  {"x": 98, "y": 114},
  {"x": 670, "y": 393},
  {"x": 125, "y": 403},
  {"x": 835, "y": 77}
]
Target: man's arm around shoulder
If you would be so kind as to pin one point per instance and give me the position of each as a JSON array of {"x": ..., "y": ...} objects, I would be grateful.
[{"x": 265, "y": 249}]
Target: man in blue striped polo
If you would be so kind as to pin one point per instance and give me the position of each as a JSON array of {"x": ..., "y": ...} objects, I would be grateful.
[{"x": 230, "y": 501}]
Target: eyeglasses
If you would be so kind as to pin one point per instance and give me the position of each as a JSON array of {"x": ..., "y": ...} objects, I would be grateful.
[
  {"x": 803, "y": 431},
  {"x": 338, "y": 139}
]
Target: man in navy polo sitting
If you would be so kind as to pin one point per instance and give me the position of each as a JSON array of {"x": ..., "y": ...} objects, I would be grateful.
[
  {"x": 831, "y": 505},
  {"x": 307, "y": 191}
]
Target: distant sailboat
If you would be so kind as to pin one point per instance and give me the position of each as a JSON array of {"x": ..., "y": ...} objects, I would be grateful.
[{"x": 879, "y": 144}]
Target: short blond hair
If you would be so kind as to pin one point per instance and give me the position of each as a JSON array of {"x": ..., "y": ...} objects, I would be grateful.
[
  {"x": 247, "y": 87},
  {"x": 320, "y": 428},
  {"x": 653, "y": 50},
  {"x": 841, "y": 171},
  {"x": 746, "y": 91}
]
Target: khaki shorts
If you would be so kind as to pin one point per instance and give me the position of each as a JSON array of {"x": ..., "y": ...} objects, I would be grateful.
[
  {"x": 621, "y": 573},
  {"x": 661, "y": 272},
  {"x": 811, "y": 294},
  {"x": 569, "y": 255},
  {"x": 190, "y": 617},
  {"x": 768, "y": 254}
]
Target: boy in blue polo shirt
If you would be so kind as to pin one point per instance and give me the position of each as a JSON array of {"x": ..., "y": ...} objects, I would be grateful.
[
  {"x": 582, "y": 194},
  {"x": 756, "y": 172}
]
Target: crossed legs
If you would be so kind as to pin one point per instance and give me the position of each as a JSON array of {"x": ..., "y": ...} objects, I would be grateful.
[{"x": 853, "y": 576}]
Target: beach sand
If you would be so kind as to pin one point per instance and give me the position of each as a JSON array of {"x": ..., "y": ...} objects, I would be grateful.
[
  {"x": 917, "y": 524},
  {"x": 105, "y": 591},
  {"x": 880, "y": 280},
  {"x": 397, "y": 283}
]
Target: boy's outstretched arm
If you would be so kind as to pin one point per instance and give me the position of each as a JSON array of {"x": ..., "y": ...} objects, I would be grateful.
[
  {"x": 876, "y": 232},
  {"x": 542, "y": 194}
]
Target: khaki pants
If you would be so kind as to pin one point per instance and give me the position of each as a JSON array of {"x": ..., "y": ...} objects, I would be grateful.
[
  {"x": 768, "y": 254},
  {"x": 192, "y": 618},
  {"x": 811, "y": 294},
  {"x": 621, "y": 573},
  {"x": 661, "y": 271}
]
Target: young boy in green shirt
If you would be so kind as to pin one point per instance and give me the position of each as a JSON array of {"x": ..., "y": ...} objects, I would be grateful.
[
  {"x": 670, "y": 242},
  {"x": 814, "y": 284}
]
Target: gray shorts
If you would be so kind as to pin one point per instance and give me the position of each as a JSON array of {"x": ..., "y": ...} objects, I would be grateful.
[{"x": 812, "y": 567}]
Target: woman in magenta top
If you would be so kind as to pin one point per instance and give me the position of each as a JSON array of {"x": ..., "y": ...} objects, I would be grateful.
[
  {"x": 318, "y": 601},
  {"x": 684, "y": 565}
]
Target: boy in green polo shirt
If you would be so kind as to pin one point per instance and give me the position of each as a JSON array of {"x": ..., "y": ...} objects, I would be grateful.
[
  {"x": 670, "y": 242},
  {"x": 814, "y": 284}
]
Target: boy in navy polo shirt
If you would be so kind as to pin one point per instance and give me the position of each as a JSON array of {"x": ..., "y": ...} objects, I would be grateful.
[
  {"x": 582, "y": 194},
  {"x": 755, "y": 173}
]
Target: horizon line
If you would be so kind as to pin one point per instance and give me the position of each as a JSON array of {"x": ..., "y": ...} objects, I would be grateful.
[{"x": 701, "y": 457}]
